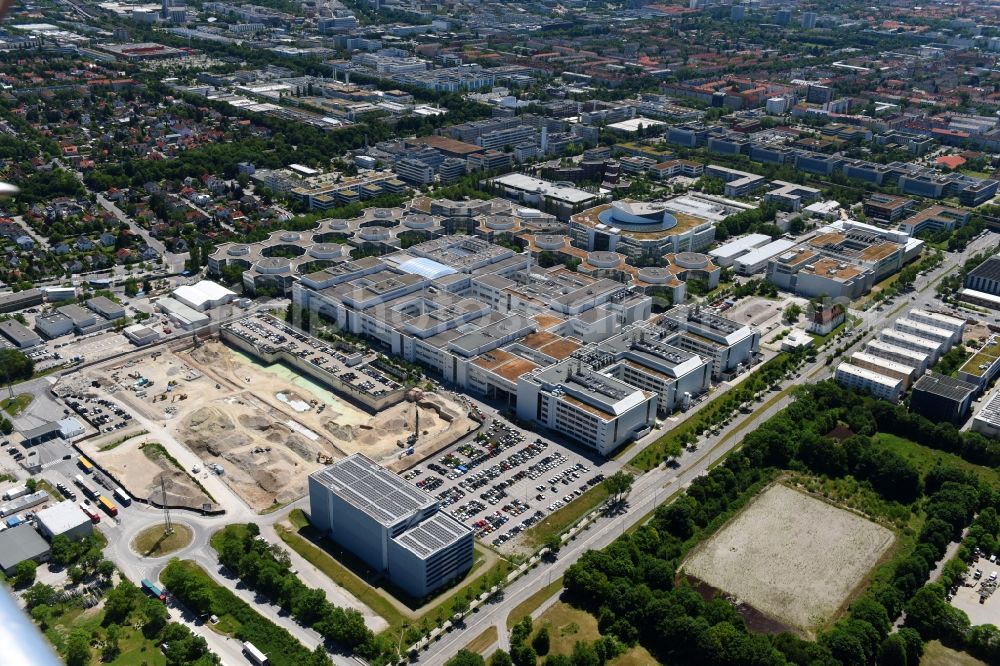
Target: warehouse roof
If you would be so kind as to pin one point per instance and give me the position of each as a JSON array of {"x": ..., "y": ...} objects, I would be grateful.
[
  {"x": 19, "y": 544},
  {"x": 61, "y": 517},
  {"x": 944, "y": 386}
]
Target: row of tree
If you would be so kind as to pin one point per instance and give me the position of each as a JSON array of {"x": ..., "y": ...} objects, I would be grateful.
[
  {"x": 266, "y": 568},
  {"x": 632, "y": 586}
]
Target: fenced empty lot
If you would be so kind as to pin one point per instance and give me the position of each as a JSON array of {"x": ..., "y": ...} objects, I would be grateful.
[{"x": 792, "y": 557}]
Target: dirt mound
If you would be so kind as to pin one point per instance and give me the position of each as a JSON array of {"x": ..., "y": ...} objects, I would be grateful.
[
  {"x": 255, "y": 422},
  {"x": 300, "y": 448},
  {"x": 340, "y": 433},
  {"x": 207, "y": 354},
  {"x": 209, "y": 420}
]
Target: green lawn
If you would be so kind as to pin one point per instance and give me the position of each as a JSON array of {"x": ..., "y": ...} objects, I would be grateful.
[
  {"x": 562, "y": 519},
  {"x": 925, "y": 458},
  {"x": 936, "y": 654},
  {"x": 528, "y": 606},
  {"x": 17, "y": 404}
]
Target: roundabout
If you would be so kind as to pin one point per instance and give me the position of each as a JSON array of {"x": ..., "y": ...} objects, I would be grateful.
[{"x": 153, "y": 541}]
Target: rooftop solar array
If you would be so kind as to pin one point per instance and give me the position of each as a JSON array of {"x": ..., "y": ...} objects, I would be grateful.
[
  {"x": 371, "y": 488},
  {"x": 435, "y": 533}
]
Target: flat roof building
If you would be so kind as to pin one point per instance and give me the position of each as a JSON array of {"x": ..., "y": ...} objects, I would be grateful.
[
  {"x": 885, "y": 367},
  {"x": 987, "y": 420},
  {"x": 944, "y": 336},
  {"x": 985, "y": 277},
  {"x": 19, "y": 334},
  {"x": 726, "y": 254},
  {"x": 941, "y": 398},
  {"x": 395, "y": 528},
  {"x": 19, "y": 544},
  {"x": 64, "y": 519},
  {"x": 880, "y": 386},
  {"x": 54, "y": 325},
  {"x": 756, "y": 260},
  {"x": 106, "y": 307},
  {"x": 918, "y": 360},
  {"x": 914, "y": 342}
]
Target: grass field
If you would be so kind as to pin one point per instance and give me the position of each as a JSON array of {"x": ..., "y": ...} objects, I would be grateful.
[
  {"x": 567, "y": 625},
  {"x": 793, "y": 557},
  {"x": 561, "y": 520},
  {"x": 925, "y": 458},
  {"x": 152, "y": 542},
  {"x": 528, "y": 606},
  {"x": 936, "y": 654},
  {"x": 483, "y": 640},
  {"x": 17, "y": 404}
]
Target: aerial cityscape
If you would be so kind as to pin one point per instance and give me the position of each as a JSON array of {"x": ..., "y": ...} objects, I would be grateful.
[{"x": 499, "y": 333}]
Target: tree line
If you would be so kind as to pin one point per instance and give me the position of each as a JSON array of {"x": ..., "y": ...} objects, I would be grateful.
[
  {"x": 190, "y": 585},
  {"x": 266, "y": 568},
  {"x": 632, "y": 585}
]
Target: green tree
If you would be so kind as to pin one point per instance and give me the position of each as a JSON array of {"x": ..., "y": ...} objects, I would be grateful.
[
  {"x": 111, "y": 649},
  {"x": 553, "y": 543},
  {"x": 24, "y": 573},
  {"x": 465, "y": 658},
  {"x": 501, "y": 658},
  {"x": 792, "y": 313},
  {"x": 78, "y": 648},
  {"x": 15, "y": 365},
  {"x": 39, "y": 594},
  {"x": 541, "y": 641},
  {"x": 618, "y": 486},
  {"x": 154, "y": 616}
]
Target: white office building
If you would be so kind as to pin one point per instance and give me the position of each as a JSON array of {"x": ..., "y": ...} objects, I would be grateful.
[
  {"x": 755, "y": 261},
  {"x": 861, "y": 379},
  {"x": 914, "y": 342},
  {"x": 726, "y": 254},
  {"x": 885, "y": 367},
  {"x": 917, "y": 360},
  {"x": 942, "y": 335}
]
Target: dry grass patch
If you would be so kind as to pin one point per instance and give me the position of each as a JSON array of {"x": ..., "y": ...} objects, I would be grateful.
[
  {"x": 794, "y": 558},
  {"x": 152, "y": 542},
  {"x": 483, "y": 640}
]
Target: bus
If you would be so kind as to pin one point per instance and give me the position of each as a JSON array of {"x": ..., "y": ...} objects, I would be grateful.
[
  {"x": 107, "y": 505},
  {"x": 122, "y": 496},
  {"x": 86, "y": 465},
  {"x": 150, "y": 587},
  {"x": 93, "y": 515},
  {"x": 254, "y": 655}
]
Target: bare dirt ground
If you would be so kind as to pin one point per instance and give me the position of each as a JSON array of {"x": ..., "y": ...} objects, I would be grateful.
[
  {"x": 141, "y": 474},
  {"x": 791, "y": 557},
  {"x": 349, "y": 428},
  {"x": 267, "y": 426}
]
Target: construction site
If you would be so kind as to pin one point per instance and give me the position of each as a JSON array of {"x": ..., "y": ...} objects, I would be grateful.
[{"x": 262, "y": 428}]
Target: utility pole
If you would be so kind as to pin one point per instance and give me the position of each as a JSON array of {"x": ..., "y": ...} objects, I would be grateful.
[{"x": 168, "y": 528}]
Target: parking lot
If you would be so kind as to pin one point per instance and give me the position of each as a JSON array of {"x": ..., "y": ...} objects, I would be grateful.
[
  {"x": 506, "y": 480},
  {"x": 103, "y": 414},
  {"x": 976, "y": 595}
]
